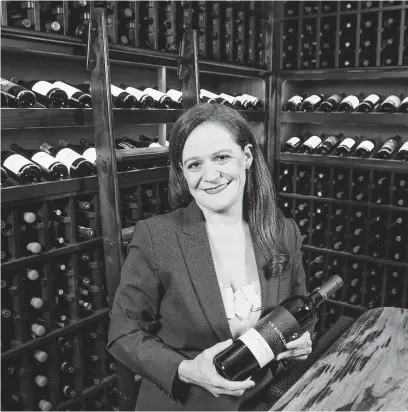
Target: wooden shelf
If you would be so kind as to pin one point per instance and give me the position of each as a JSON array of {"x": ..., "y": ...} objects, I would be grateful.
[
  {"x": 354, "y": 257},
  {"x": 57, "y": 45},
  {"x": 347, "y": 162},
  {"x": 51, "y": 336},
  {"x": 49, "y": 118},
  {"x": 344, "y": 202},
  {"x": 346, "y": 305},
  {"x": 392, "y": 119},
  {"x": 50, "y": 190}
]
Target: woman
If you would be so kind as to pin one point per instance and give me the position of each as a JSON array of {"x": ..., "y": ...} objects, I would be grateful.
[{"x": 205, "y": 273}]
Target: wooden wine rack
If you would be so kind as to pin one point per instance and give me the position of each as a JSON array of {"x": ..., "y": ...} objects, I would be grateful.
[{"x": 142, "y": 193}]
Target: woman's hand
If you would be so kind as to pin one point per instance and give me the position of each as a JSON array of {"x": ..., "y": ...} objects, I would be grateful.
[
  {"x": 201, "y": 371},
  {"x": 298, "y": 349}
]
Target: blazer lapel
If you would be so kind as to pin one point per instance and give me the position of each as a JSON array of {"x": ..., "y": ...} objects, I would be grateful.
[{"x": 196, "y": 250}]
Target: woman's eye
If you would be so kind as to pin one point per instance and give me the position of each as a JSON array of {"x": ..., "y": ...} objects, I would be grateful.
[
  {"x": 222, "y": 158},
  {"x": 194, "y": 165}
]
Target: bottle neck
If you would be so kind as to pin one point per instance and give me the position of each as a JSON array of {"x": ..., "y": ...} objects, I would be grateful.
[{"x": 316, "y": 298}]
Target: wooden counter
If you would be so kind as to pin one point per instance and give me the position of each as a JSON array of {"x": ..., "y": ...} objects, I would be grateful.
[{"x": 366, "y": 369}]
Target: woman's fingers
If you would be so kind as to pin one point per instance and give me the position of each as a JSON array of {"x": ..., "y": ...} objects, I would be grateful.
[
  {"x": 302, "y": 352},
  {"x": 304, "y": 340}
]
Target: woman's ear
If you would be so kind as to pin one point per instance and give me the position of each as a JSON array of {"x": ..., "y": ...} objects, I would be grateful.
[{"x": 248, "y": 155}]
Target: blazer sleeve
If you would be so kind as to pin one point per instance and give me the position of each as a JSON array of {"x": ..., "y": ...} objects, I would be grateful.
[
  {"x": 298, "y": 273},
  {"x": 135, "y": 316}
]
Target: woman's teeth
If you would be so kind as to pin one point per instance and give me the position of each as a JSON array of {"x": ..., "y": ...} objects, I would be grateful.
[{"x": 216, "y": 189}]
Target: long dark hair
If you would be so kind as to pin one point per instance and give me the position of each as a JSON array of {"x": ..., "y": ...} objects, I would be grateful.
[{"x": 260, "y": 210}]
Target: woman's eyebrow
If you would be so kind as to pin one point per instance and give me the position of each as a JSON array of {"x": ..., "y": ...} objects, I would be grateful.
[{"x": 212, "y": 155}]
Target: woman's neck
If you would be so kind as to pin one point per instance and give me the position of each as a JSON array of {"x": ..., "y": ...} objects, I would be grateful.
[{"x": 228, "y": 219}]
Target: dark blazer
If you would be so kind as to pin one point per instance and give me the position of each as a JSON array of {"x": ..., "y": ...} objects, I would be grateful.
[{"x": 168, "y": 308}]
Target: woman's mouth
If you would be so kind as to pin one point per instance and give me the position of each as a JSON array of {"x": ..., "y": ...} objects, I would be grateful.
[{"x": 216, "y": 189}]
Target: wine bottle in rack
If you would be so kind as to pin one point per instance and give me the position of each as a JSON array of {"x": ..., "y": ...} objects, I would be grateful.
[
  {"x": 403, "y": 152},
  {"x": 18, "y": 96},
  {"x": 312, "y": 103},
  {"x": 369, "y": 104},
  {"x": 329, "y": 144},
  {"x": 349, "y": 104},
  {"x": 143, "y": 98},
  {"x": 309, "y": 146},
  {"x": 77, "y": 165},
  {"x": 22, "y": 170},
  {"x": 390, "y": 104},
  {"x": 292, "y": 144},
  {"x": 389, "y": 147},
  {"x": 161, "y": 100},
  {"x": 46, "y": 93},
  {"x": 294, "y": 103},
  {"x": 77, "y": 99},
  {"x": 403, "y": 107},
  {"x": 52, "y": 169},
  {"x": 346, "y": 146},
  {"x": 209, "y": 97},
  {"x": 233, "y": 101},
  {"x": 87, "y": 152},
  {"x": 177, "y": 97},
  {"x": 331, "y": 103},
  {"x": 366, "y": 148},
  {"x": 243, "y": 358}
]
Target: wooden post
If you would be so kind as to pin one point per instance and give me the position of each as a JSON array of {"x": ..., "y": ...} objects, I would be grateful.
[{"x": 98, "y": 64}]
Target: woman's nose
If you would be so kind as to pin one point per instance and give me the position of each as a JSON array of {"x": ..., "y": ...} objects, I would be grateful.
[{"x": 210, "y": 171}]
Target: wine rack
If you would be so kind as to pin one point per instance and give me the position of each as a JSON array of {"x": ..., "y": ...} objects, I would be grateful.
[
  {"x": 341, "y": 34},
  {"x": 157, "y": 26}
]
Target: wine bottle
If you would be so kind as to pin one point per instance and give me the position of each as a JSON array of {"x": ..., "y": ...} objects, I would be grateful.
[
  {"x": 263, "y": 343},
  {"x": 143, "y": 98},
  {"x": 346, "y": 146},
  {"x": 161, "y": 100},
  {"x": 17, "y": 96},
  {"x": 233, "y": 101},
  {"x": 390, "y": 104},
  {"x": 328, "y": 144},
  {"x": 67, "y": 368},
  {"x": 87, "y": 152},
  {"x": 22, "y": 170},
  {"x": 256, "y": 103},
  {"x": 294, "y": 103},
  {"x": 46, "y": 93},
  {"x": 366, "y": 148},
  {"x": 403, "y": 107},
  {"x": 210, "y": 97},
  {"x": 41, "y": 381},
  {"x": 331, "y": 103},
  {"x": 402, "y": 153},
  {"x": 123, "y": 99},
  {"x": 311, "y": 103},
  {"x": 52, "y": 169},
  {"x": 349, "y": 103},
  {"x": 310, "y": 144},
  {"x": 292, "y": 144},
  {"x": 388, "y": 148},
  {"x": 5, "y": 98},
  {"x": 77, "y": 99},
  {"x": 369, "y": 104},
  {"x": 37, "y": 328},
  {"x": 40, "y": 356},
  {"x": 85, "y": 232},
  {"x": 69, "y": 391},
  {"x": 77, "y": 165}
]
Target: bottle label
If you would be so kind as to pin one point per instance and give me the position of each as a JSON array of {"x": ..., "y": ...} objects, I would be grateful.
[
  {"x": 67, "y": 157},
  {"x": 116, "y": 91},
  {"x": 175, "y": 95},
  {"x": 348, "y": 142},
  {"x": 16, "y": 163},
  {"x": 295, "y": 100},
  {"x": 366, "y": 145},
  {"x": 272, "y": 334},
  {"x": 403, "y": 147},
  {"x": 208, "y": 94},
  {"x": 90, "y": 154},
  {"x": 6, "y": 85},
  {"x": 331, "y": 140},
  {"x": 293, "y": 141},
  {"x": 69, "y": 90},
  {"x": 135, "y": 92},
  {"x": 258, "y": 346},
  {"x": 313, "y": 99},
  {"x": 353, "y": 100},
  {"x": 42, "y": 87},
  {"x": 155, "y": 93},
  {"x": 405, "y": 100},
  {"x": 373, "y": 98},
  {"x": 390, "y": 145},
  {"x": 394, "y": 100},
  {"x": 44, "y": 159},
  {"x": 313, "y": 142}
]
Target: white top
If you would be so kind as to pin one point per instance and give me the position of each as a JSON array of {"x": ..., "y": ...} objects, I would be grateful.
[{"x": 237, "y": 273}]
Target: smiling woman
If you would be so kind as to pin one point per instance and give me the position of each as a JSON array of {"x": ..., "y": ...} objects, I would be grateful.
[{"x": 206, "y": 272}]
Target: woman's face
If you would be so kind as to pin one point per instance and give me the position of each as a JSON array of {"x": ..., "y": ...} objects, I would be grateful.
[{"x": 214, "y": 167}]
